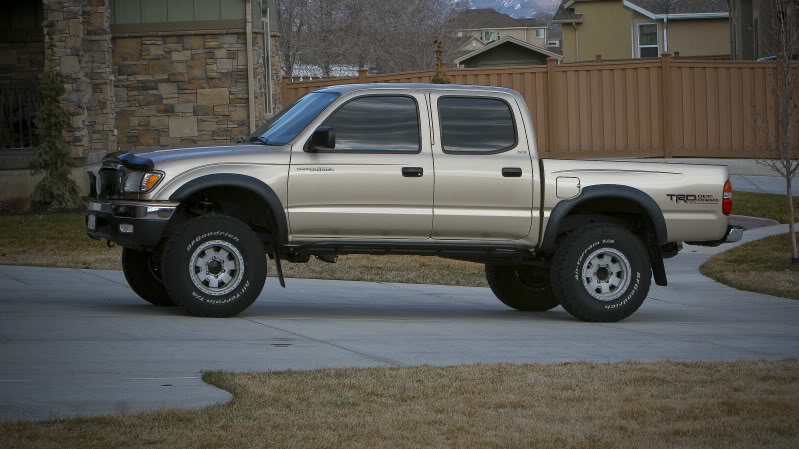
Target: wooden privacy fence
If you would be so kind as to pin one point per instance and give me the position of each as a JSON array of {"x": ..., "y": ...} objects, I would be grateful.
[{"x": 617, "y": 109}]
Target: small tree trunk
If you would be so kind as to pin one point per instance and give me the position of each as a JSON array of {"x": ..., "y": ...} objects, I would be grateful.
[{"x": 791, "y": 233}]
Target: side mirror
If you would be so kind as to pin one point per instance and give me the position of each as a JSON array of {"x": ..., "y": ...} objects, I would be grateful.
[{"x": 323, "y": 137}]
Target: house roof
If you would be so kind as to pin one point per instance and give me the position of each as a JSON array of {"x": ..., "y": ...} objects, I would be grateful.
[
  {"x": 566, "y": 14},
  {"x": 654, "y": 9},
  {"x": 491, "y": 18},
  {"x": 512, "y": 41}
]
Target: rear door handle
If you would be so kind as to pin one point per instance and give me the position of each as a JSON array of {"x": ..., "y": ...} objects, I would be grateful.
[
  {"x": 412, "y": 172},
  {"x": 512, "y": 172}
]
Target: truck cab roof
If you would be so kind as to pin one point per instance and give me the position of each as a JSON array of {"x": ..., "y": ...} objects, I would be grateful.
[{"x": 345, "y": 88}]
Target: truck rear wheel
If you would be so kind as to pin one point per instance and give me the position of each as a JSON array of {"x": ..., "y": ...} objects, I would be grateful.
[
  {"x": 214, "y": 266},
  {"x": 601, "y": 272},
  {"x": 521, "y": 287},
  {"x": 142, "y": 274}
]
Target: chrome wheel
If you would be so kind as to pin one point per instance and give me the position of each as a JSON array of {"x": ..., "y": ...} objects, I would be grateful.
[
  {"x": 606, "y": 274},
  {"x": 216, "y": 267}
]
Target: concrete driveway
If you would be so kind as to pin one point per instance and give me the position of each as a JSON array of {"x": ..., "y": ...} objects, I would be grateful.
[{"x": 77, "y": 342}]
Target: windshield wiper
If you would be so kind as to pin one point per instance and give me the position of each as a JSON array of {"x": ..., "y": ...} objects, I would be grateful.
[{"x": 259, "y": 139}]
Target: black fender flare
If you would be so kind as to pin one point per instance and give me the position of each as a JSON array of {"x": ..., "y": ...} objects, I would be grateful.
[
  {"x": 243, "y": 181},
  {"x": 562, "y": 209}
]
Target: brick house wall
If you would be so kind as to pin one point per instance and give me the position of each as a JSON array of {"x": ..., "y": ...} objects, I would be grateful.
[{"x": 185, "y": 88}]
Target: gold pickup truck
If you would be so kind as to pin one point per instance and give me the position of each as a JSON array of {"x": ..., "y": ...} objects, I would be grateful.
[{"x": 434, "y": 170}]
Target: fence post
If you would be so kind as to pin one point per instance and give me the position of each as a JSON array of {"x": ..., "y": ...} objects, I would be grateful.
[
  {"x": 284, "y": 91},
  {"x": 362, "y": 75},
  {"x": 552, "y": 130},
  {"x": 665, "y": 67}
]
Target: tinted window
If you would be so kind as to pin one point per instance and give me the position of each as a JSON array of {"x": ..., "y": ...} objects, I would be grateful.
[
  {"x": 288, "y": 123},
  {"x": 481, "y": 125},
  {"x": 376, "y": 123}
]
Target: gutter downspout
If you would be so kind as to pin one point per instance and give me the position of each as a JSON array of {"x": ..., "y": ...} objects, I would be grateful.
[
  {"x": 250, "y": 77},
  {"x": 666, "y": 34},
  {"x": 576, "y": 43},
  {"x": 268, "y": 61}
]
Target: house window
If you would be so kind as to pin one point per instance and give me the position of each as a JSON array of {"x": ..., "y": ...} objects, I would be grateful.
[
  {"x": 540, "y": 33},
  {"x": 489, "y": 35},
  {"x": 647, "y": 40}
]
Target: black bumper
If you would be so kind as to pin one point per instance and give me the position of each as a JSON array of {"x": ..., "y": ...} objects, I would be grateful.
[
  {"x": 144, "y": 222},
  {"x": 734, "y": 233}
]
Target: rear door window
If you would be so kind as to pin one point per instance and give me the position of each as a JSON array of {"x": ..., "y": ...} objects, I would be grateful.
[{"x": 473, "y": 125}]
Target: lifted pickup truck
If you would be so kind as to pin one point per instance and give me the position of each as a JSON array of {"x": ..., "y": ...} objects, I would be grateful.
[{"x": 437, "y": 170}]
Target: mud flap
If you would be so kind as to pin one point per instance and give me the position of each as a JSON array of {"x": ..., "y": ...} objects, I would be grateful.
[
  {"x": 276, "y": 255},
  {"x": 656, "y": 259}
]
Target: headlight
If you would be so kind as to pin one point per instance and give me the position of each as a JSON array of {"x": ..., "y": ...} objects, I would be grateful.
[{"x": 139, "y": 182}]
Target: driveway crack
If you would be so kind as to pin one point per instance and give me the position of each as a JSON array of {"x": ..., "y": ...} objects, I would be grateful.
[{"x": 335, "y": 345}]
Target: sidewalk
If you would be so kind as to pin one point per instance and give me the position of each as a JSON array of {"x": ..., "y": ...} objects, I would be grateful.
[{"x": 762, "y": 184}]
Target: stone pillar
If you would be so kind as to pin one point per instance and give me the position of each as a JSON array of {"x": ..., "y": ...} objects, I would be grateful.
[
  {"x": 97, "y": 49},
  {"x": 66, "y": 17},
  {"x": 82, "y": 38}
]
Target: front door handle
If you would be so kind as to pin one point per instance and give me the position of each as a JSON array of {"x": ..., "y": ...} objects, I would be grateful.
[
  {"x": 412, "y": 172},
  {"x": 512, "y": 172}
]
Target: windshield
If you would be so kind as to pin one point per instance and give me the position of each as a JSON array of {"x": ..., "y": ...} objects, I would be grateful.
[{"x": 288, "y": 123}]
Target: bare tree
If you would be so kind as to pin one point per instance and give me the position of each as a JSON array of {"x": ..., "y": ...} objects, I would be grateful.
[
  {"x": 776, "y": 147},
  {"x": 379, "y": 35},
  {"x": 294, "y": 35}
]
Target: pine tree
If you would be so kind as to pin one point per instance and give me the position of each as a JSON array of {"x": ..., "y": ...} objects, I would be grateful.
[
  {"x": 53, "y": 156},
  {"x": 440, "y": 77}
]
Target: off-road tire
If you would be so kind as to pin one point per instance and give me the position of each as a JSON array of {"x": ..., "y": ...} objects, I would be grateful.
[
  {"x": 512, "y": 286},
  {"x": 143, "y": 277},
  {"x": 243, "y": 260},
  {"x": 572, "y": 257}
]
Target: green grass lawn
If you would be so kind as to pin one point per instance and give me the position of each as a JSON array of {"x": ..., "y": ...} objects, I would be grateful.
[
  {"x": 745, "y": 404},
  {"x": 764, "y": 205},
  {"x": 762, "y": 266}
]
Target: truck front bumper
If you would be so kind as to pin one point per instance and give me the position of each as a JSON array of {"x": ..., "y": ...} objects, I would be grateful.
[{"x": 136, "y": 224}]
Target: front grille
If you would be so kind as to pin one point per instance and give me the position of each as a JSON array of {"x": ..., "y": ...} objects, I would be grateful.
[{"x": 108, "y": 182}]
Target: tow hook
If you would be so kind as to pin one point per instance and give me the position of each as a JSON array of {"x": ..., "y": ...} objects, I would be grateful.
[{"x": 109, "y": 243}]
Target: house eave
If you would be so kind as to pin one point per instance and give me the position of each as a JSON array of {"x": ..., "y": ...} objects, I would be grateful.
[{"x": 680, "y": 16}]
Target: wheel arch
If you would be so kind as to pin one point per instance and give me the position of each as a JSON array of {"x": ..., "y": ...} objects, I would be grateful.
[
  {"x": 556, "y": 225},
  {"x": 248, "y": 183}
]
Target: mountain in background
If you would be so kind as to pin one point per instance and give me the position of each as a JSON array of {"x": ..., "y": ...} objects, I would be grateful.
[{"x": 517, "y": 8}]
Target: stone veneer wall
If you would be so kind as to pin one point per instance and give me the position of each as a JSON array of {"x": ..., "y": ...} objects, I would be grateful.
[
  {"x": 82, "y": 38},
  {"x": 185, "y": 88}
]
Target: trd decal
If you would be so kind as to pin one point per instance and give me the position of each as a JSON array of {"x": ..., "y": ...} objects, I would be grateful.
[{"x": 692, "y": 199}]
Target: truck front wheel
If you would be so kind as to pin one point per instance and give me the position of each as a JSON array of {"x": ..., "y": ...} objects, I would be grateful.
[
  {"x": 142, "y": 274},
  {"x": 214, "y": 266},
  {"x": 520, "y": 287},
  {"x": 601, "y": 272}
]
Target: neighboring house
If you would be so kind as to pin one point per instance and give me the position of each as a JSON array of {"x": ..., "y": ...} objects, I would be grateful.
[
  {"x": 750, "y": 23},
  {"x": 623, "y": 29},
  {"x": 554, "y": 39},
  {"x": 488, "y": 25},
  {"x": 507, "y": 51}
]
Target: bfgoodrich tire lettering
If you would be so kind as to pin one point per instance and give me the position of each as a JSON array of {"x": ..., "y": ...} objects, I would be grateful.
[
  {"x": 142, "y": 276},
  {"x": 214, "y": 266},
  {"x": 523, "y": 288},
  {"x": 601, "y": 273}
]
